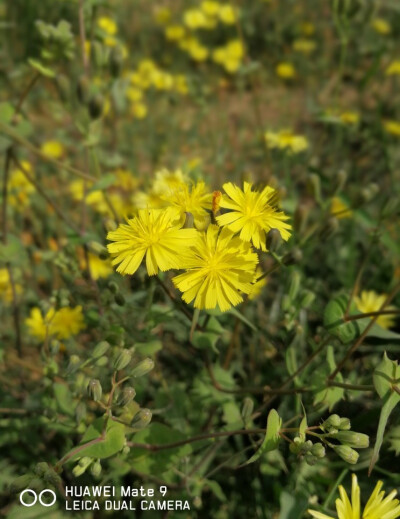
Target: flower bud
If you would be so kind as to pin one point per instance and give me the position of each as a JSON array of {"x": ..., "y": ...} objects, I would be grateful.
[
  {"x": 113, "y": 287},
  {"x": 318, "y": 450},
  {"x": 80, "y": 412},
  {"x": 274, "y": 240},
  {"x": 102, "y": 361},
  {"x": 314, "y": 186},
  {"x": 307, "y": 299},
  {"x": 346, "y": 453},
  {"x": 119, "y": 299},
  {"x": 41, "y": 468},
  {"x": 82, "y": 465},
  {"x": 100, "y": 349},
  {"x": 353, "y": 439},
  {"x": 247, "y": 409},
  {"x": 142, "y": 368},
  {"x": 95, "y": 469},
  {"x": 330, "y": 423},
  {"x": 51, "y": 477},
  {"x": 141, "y": 419},
  {"x": 292, "y": 257},
  {"x": 127, "y": 395},
  {"x": 295, "y": 279},
  {"x": 96, "y": 106},
  {"x": 122, "y": 360},
  {"x": 110, "y": 224},
  {"x": 345, "y": 424},
  {"x": 310, "y": 459},
  {"x": 300, "y": 218},
  {"x": 97, "y": 248},
  {"x": 95, "y": 390}
]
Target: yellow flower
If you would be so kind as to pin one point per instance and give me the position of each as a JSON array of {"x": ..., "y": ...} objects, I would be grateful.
[
  {"x": 349, "y": 117},
  {"x": 19, "y": 187},
  {"x": 197, "y": 51},
  {"x": 174, "y": 32},
  {"x": 98, "y": 268},
  {"x": 194, "y": 19},
  {"x": 230, "y": 56},
  {"x": 195, "y": 199},
  {"x": 285, "y": 70},
  {"x": 53, "y": 149},
  {"x": 134, "y": 94},
  {"x": 392, "y": 127},
  {"x": 377, "y": 507},
  {"x": 393, "y": 69},
  {"x": 162, "y": 15},
  {"x": 307, "y": 28},
  {"x": 6, "y": 293},
  {"x": 93, "y": 198},
  {"x": 218, "y": 268},
  {"x": 154, "y": 233},
  {"x": 286, "y": 140},
  {"x": 138, "y": 110},
  {"x": 304, "y": 45},
  {"x": 168, "y": 180},
  {"x": 181, "y": 84},
  {"x": 60, "y": 324},
  {"x": 210, "y": 8},
  {"x": 107, "y": 25},
  {"x": 227, "y": 14},
  {"x": 369, "y": 301},
  {"x": 381, "y": 26},
  {"x": 253, "y": 213},
  {"x": 340, "y": 209},
  {"x": 162, "y": 80},
  {"x": 67, "y": 322}
]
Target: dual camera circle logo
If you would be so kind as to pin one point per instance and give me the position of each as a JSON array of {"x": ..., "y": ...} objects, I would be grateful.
[{"x": 36, "y": 497}]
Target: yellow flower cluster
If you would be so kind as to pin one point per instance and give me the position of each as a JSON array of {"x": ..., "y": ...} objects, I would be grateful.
[
  {"x": 19, "y": 187},
  {"x": 149, "y": 75},
  {"x": 207, "y": 17},
  {"x": 286, "y": 140},
  {"x": 59, "y": 324},
  {"x": 173, "y": 230},
  {"x": 6, "y": 291}
]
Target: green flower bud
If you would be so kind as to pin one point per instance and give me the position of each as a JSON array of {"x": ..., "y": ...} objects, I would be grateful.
[
  {"x": 100, "y": 349},
  {"x": 310, "y": 459},
  {"x": 41, "y": 468},
  {"x": 353, "y": 439},
  {"x": 113, "y": 287},
  {"x": 119, "y": 299},
  {"x": 110, "y": 225},
  {"x": 82, "y": 466},
  {"x": 127, "y": 395},
  {"x": 96, "y": 106},
  {"x": 21, "y": 483},
  {"x": 54, "y": 346},
  {"x": 141, "y": 419},
  {"x": 330, "y": 423},
  {"x": 314, "y": 186},
  {"x": 102, "y": 361},
  {"x": 142, "y": 368},
  {"x": 295, "y": 279},
  {"x": 74, "y": 363},
  {"x": 80, "y": 412},
  {"x": 97, "y": 248},
  {"x": 300, "y": 218},
  {"x": 293, "y": 257},
  {"x": 345, "y": 424},
  {"x": 347, "y": 454},
  {"x": 126, "y": 450},
  {"x": 52, "y": 477},
  {"x": 122, "y": 360},
  {"x": 274, "y": 240},
  {"x": 318, "y": 450},
  {"x": 95, "y": 390},
  {"x": 95, "y": 469}
]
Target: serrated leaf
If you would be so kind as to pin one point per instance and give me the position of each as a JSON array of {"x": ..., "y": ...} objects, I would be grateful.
[{"x": 271, "y": 440}]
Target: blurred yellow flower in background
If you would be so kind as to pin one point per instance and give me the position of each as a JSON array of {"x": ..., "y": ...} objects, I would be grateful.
[
  {"x": 53, "y": 149},
  {"x": 381, "y": 26},
  {"x": 286, "y": 140},
  {"x": 227, "y": 14},
  {"x": 60, "y": 324},
  {"x": 108, "y": 25},
  {"x": 340, "y": 209},
  {"x": 392, "y": 127},
  {"x": 285, "y": 70},
  {"x": 393, "y": 69},
  {"x": 304, "y": 45},
  {"x": 6, "y": 291},
  {"x": 19, "y": 187},
  {"x": 370, "y": 301}
]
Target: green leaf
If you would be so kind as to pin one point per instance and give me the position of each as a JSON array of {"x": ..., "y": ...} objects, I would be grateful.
[
  {"x": 113, "y": 442},
  {"x": 63, "y": 398},
  {"x": 37, "y": 65},
  {"x": 391, "y": 401},
  {"x": 272, "y": 437},
  {"x": 327, "y": 395},
  {"x": 394, "y": 439},
  {"x": 13, "y": 252},
  {"x": 6, "y": 112},
  {"x": 242, "y": 318},
  {"x": 386, "y": 373},
  {"x": 148, "y": 348},
  {"x": 105, "y": 182}
]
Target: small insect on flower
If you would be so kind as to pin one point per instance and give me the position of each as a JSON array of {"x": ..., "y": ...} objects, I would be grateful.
[
  {"x": 219, "y": 266},
  {"x": 377, "y": 507},
  {"x": 253, "y": 213},
  {"x": 156, "y": 234}
]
